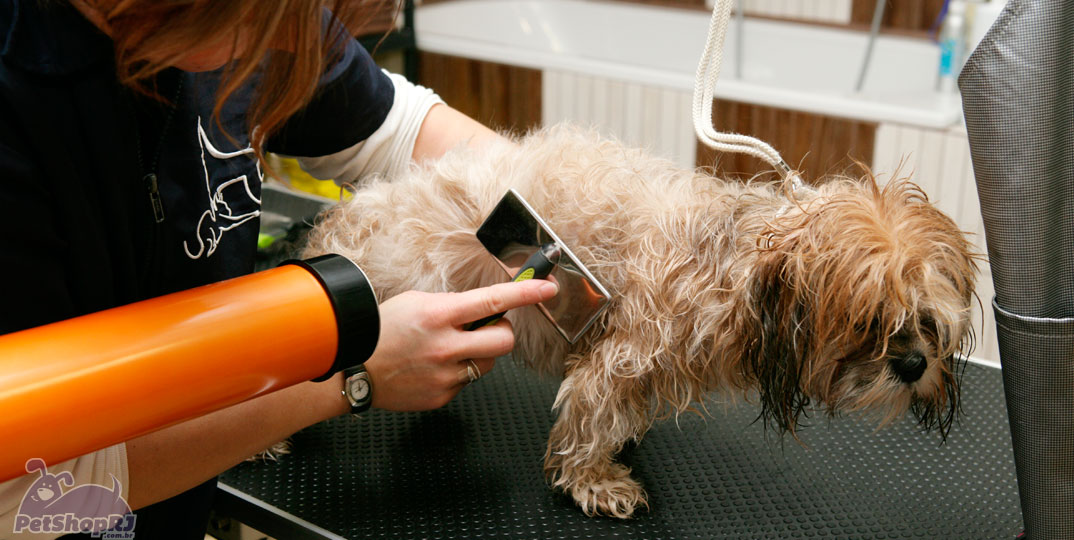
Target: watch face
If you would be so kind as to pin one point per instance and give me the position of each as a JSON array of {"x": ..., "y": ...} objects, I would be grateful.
[{"x": 359, "y": 388}]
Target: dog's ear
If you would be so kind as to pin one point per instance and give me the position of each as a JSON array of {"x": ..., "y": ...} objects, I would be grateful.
[{"x": 776, "y": 345}]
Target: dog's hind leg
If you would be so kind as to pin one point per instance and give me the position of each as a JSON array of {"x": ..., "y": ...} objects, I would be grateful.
[{"x": 599, "y": 411}]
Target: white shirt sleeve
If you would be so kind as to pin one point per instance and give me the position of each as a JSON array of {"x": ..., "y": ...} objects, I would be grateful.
[
  {"x": 389, "y": 149},
  {"x": 95, "y": 468}
]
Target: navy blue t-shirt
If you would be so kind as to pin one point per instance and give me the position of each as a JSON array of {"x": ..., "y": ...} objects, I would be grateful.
[
  {"x": 81, "y": 229},
  {"x": 208, "y": 164},
  {"x": 76, "y": 148}
]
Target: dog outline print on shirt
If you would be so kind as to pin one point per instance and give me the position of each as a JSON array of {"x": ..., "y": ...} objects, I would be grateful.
[{"x": 218, "y": 218}]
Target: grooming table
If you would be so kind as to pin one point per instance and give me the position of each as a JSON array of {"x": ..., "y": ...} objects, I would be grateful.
[{"x": 474, "y": 470}]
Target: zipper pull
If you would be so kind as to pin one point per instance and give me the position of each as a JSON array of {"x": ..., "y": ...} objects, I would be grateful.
[{"x": 154, "y": 197}]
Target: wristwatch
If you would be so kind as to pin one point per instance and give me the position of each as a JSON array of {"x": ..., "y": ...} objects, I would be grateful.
[{"x": 357, "y": 388}]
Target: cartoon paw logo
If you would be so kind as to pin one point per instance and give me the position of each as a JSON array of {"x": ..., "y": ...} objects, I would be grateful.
[{"x": 219, "y": 218}]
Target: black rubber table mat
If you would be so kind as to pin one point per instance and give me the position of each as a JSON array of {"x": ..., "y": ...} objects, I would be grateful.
[{"x": 473, "y": 470}]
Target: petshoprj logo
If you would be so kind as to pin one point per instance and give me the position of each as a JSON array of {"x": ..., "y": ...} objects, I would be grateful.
[{"x": 92, "y": 508}]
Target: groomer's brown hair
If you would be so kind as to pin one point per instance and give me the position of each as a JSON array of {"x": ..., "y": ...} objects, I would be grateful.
[{"x": 283, "y": 41}]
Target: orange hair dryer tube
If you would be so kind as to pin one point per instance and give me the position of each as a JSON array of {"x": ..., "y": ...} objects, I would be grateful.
[{"x": 79, "y": 385}]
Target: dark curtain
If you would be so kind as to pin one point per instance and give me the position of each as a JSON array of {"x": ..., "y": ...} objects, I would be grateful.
[{"x": 1018, "y": 100}]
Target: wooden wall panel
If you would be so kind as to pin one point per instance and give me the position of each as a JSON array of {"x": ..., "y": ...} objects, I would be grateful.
[
  {"x": 375, "y": 17},
  {"x": 813, "y": 144},
  {"x": 905, "y": 15},
  {"x": 500, "y": 96},
  {"x": 696, "y": 4}
]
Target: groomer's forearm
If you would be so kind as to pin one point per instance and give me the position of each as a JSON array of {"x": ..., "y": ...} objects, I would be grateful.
[
  {"x": 170, "y": 461},
  {"x": 445, "y": 128}
]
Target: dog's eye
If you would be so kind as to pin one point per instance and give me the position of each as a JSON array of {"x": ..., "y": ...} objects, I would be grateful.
[
  {"x": 927, "y": 322},
  {"x": 872, "y": 326},
  {"x": 928, "y": 327}
]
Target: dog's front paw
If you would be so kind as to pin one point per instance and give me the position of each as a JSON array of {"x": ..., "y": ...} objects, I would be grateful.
[
  {"x": 611, "y": 493},
  {"x": 273, "y": 452}
]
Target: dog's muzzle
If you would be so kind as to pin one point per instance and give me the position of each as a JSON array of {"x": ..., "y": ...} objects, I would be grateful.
[{"x": 909, "y": 368}]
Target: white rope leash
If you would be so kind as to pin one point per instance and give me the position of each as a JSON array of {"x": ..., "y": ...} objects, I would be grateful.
[{"x": 708, "y": 70}]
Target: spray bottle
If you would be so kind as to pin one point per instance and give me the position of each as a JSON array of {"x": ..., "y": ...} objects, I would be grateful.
[{"x": 952, "y": 44}]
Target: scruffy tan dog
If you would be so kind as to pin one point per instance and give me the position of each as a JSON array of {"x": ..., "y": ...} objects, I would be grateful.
[{"x": 850, "y": 295}]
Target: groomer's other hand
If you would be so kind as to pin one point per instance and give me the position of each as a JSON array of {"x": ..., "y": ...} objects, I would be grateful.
[{"x": 423, "y": 348}]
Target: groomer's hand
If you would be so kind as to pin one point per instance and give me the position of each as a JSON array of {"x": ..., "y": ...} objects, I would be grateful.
[{"x": 421, "y": 358}]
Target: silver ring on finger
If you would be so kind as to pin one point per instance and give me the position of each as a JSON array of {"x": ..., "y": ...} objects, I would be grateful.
[{"x": 473, "y": 373}]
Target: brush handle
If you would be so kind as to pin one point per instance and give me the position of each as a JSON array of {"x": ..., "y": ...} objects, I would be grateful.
[{"x": 538, "y": 266}]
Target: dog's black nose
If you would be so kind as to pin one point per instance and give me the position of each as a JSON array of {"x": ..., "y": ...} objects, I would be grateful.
[{"x": 910, "y": 367}]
